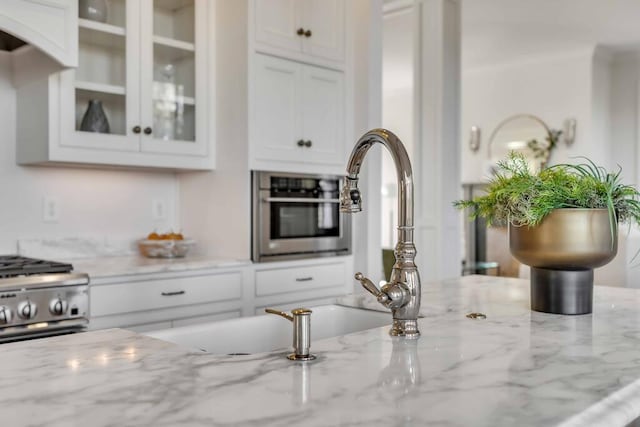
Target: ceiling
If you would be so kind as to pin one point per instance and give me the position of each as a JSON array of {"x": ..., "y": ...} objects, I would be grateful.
[{"x": 496, "y": 31}]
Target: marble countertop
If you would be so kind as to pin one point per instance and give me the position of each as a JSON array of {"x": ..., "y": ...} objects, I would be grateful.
[
  {"x": 115, "y": 266},
  {"x": 516, "y": 367},
  {"x": 104, "y": 258}
]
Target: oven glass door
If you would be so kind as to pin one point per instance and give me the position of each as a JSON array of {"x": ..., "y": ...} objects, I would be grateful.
[{"x": 292, "y": 220}]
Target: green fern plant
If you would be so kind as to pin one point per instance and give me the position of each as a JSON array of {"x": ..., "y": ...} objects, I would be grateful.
[{"x": 517, "y": 196}]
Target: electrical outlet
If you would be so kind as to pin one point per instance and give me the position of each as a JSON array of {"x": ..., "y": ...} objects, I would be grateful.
[
  {"x": 50, "y": 209},
  {"x": 158, "y": 210}
]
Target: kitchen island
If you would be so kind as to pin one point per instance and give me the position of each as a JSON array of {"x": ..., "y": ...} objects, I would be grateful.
[{"x": 514, "y": 367}]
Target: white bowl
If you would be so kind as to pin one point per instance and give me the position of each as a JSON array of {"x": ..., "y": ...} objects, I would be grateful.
[{"x": 165, "y": 248}]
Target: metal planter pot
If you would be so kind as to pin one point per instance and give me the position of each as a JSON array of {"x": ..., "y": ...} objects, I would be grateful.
[{"x": 562, "y": 252}]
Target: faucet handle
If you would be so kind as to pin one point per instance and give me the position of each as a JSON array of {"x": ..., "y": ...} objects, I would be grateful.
[{"x": 371, "y": 288}]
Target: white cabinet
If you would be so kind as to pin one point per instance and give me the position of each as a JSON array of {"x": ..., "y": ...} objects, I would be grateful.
[
  {"x": 307, "y": 282},
  {"x": 296, "y": 115},
  {"x": 305, "y": 30},
  {"x": 154, "y": 302},
  {"x": 49, "y": 25},
  {"x": 149, "y": 67},
  {"x": 144, "y": 302}
]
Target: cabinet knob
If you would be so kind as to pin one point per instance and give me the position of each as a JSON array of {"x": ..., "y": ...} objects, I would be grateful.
[
  {"x": 147, "y": 130},
  {"x": 136, "y": 129},
  {"x": 300, "y": 31},
  {"x": 308, "y": 143},
  {"x": 301, "y": 143},
  {"x": 307, "y": 33}
]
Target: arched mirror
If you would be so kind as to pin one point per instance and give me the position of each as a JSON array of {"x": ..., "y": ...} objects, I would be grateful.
[{"x": 525, "y": 134}]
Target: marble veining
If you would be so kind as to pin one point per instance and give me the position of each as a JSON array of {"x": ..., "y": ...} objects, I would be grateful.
[
  {"x": 76, "y": 247},
  {"x": 105, "y": 258},
  {"x": 516, "y": 367},
  {"x": 106, "y": 267}
]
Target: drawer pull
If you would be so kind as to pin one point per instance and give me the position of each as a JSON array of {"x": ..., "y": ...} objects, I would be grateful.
[
  {"x": 170, "y": 294},
  {"x": 304, "y": 279}
]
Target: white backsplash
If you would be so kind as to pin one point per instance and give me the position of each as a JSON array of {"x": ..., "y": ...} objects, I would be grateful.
[
  {"x": 90, "y": 202},
  {"x": 76, "y": 248}
]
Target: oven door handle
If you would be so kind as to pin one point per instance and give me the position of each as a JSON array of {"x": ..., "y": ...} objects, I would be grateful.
[{"x": 298, "y": 200}]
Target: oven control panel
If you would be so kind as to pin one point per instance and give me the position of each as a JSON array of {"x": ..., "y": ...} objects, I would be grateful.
[{"x": 42, "y": 306}]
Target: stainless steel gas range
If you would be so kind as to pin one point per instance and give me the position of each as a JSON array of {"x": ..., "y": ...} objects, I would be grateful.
[{"x": 41, "y": 298}]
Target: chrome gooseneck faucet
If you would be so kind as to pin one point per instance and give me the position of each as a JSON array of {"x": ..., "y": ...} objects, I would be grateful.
[{"x": 402, "y": 293}]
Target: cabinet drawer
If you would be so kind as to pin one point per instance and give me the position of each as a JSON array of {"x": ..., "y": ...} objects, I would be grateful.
[
  {"x": 164, "y": 293},
  {"x": 299, "y": 279}
]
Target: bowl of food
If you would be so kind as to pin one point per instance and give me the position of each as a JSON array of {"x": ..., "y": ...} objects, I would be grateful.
[{"x": 168, "y": 245}]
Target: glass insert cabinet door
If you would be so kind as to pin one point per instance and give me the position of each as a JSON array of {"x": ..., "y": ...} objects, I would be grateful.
[
  {"x": 173, "y": 70},
  {"x": 141, "y": 83},
  {"x": 100, "y": 93}
]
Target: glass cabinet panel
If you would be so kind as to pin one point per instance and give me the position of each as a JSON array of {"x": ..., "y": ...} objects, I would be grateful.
[
  {"x": 174, "y": 77},
  {"x": 100, "y": 81}
]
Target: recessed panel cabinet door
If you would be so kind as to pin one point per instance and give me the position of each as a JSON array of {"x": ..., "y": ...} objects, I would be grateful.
[
  {"x": 325, "y": 20},
  {"x": 276, "y": 117},
  {"x": 276, "y": 23},
  {"x": 323, "y": 114}
]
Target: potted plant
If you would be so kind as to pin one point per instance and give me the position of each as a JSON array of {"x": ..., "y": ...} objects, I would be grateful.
[{"x": 563, "y": 223}]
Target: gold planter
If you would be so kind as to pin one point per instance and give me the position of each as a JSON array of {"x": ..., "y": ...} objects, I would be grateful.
[{"x": 562, "y": 252}]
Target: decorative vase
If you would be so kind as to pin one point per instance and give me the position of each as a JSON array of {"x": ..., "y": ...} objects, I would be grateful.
[
  {"x": 165, "y": 95},
  {"x": 562, "y": 252},
  {"x": 95, "y": 10},
  {"x": 94, "y": 119}
]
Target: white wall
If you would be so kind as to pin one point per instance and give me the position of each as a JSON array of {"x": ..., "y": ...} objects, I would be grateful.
[
  {"x": 552, "y": 87},
  {"x": 215, "y": 206},
  {"x": 597, "y": 143},
  {"x": 625, "y": 72},
  {"x": 624, "y": 77},
  {"x": 597, "y": 88},
  {"x": 93, "y": 203},
  {"x": 397, "y": 107},
  {"x": 365, "y": 55}
]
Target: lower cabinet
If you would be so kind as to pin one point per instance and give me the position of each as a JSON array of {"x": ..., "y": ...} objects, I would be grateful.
[
  {"x": 164, "y": 300},
  {"x": 294, "y": 284},
  {"x": 144, "y": 304}
]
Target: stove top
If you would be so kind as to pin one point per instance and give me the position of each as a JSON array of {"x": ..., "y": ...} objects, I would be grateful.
[{"x": 16, "y": 265}]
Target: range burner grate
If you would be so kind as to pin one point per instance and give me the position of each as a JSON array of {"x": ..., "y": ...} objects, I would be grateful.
[{"x": 15, "y": 265}]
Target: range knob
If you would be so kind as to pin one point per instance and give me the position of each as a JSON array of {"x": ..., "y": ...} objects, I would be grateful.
[
  {"x": 27, "y": 310},
  {"x": 58, "y": 306},
  {"x": 5, "y": 315}
]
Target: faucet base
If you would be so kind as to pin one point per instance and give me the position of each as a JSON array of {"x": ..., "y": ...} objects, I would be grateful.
[
  {"x": 406, "y": 328},
  {"x": 294, "y": 356}
]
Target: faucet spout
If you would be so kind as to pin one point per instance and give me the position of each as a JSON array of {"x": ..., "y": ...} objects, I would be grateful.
[{"x": 403, "y": 292}]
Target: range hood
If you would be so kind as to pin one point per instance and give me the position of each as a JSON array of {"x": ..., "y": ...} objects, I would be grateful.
[{"x": 48, "y": 27}]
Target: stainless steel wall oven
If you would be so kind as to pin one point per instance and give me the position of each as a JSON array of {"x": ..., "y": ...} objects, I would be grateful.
[{"x": 298, "y": 216}]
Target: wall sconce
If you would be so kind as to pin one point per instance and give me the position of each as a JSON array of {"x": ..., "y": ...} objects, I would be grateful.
[
  {"x": 569, "y": 131},
  {"x": 474, "y": 138}
]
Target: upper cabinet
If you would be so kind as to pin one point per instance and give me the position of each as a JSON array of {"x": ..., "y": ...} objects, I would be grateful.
[
  {"x": 297, "y": 115},
  {"x": 298, "y": 86},
  {"x": 142, "y": 95},
  {"x": 49, "y": 25},
  {"x": 305, "y": 30}
]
